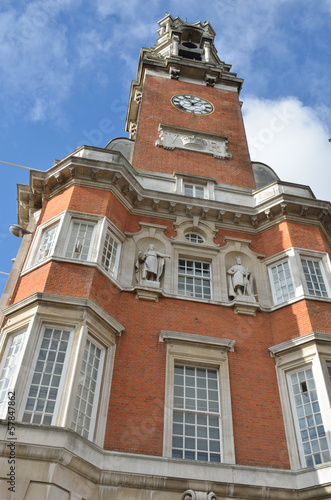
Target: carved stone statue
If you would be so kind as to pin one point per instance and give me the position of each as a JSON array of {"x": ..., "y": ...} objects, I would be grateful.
[
  {"x": 151, "y": 264},
  {"x": 239, "y": 280}
]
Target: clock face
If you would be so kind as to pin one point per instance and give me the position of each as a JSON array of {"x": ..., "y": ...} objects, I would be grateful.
[{"x": 192, "y": 104}]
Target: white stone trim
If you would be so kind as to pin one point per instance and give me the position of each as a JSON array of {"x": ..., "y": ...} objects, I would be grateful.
[
  {"x": 65, "y": 301},
  {"x": 94, "y": 470},
  {"x": 168, "y": 336},
  {"x": 299, "y": 341},
  {"x": 65, "y": 221},
  {"x": 272, "y": 282},
  {"x": 207, "y": 183},
  {"x": 312, "y": 349},
  {"x": 83, "y": 318},
  {"x": 324, "y": 259},
  {"x": 161, "y": 74},
  {"x": 37, "y": 238},
  {"x": 182, "y": 348}
]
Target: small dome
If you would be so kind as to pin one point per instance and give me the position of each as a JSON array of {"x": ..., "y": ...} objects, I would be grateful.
[
  {"x": 263, "y": 174},
  {"x": 122, "y": 145}
]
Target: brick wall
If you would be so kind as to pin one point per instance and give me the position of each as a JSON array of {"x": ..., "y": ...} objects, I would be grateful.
[
  {"x": 135, "y": 422},
  {"x": 226, "y": 120}
]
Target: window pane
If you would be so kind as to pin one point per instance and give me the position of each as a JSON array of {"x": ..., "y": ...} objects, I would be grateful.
[
  {"x": 314, "y": 279},
  {"x": 194, "y": 190},
  {"x": 194, "y": 279},
  {"x": 45, "y": 384},
  {"x": 80, "y": 241},
  {"x": 109, "y": 253},
  {"x": 87, "y": 389},
  {"x": 284, "y": 288},
  {"x": 10, "y": 366},
  {"x": 47, "y": 243},
  {"x": 309, "y": 423},
  {"x": 194, "y": 238},
  {"x": 199, "y": 438}
]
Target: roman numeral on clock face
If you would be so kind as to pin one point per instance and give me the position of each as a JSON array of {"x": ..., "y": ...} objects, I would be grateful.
[{"x": 192, "y": 104}]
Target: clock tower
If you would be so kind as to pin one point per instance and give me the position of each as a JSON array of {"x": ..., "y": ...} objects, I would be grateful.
[
  {"x": 167, "y": 324},
  {"x": 185, "y": 99}
]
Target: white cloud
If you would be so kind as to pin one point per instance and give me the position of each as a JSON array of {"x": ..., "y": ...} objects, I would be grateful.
[
  {"x": 292, "y": 139},
  {"x": 36, "y": 74}
]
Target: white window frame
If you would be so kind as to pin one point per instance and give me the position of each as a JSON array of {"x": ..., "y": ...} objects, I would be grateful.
[
  {"x": 201, "y": 418},
  {"x": 328, "y": 365},
  {"x": 206, "y": 352},
  {"x": 83, "y": 322},
  {"x": 194, "y": 277},
  {"x": 208, "y": 253},
  {"x": 207, "y": 183},
  {"x": 31, "y": 260},
  {"x": 294, "y": 255},
  {"x": 50, "y": 252},
  {"x": 65, "y": 222},
  {"x": 325, "y": 281},
  {"x": 195, "y": 187},
  {"x": 95, "y": 404},
  {"x": 273, "y": 287},
  {"x": 91, "y": 249},
  {"x": 308, "y": 351},
  {"x": 113, "y": 232},
  {"x": 12, "y": 383},
  {"x": 325, "y": 266},
  {"x": 64, "y": 407},
  {"x": 190, "y": 236},
  {"x": 313, "y": 424},
  {"x": 63, "y": 373}
]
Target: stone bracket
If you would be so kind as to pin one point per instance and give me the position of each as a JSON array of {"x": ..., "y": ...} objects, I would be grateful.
[
  {"x": 247, "y": 306},
  {"x": 147, "y": 293},
  {"x": 198, "y": 495}
]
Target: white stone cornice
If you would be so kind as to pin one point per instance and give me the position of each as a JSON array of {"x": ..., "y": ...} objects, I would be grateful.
[
  {"x": 299, "y": 341},
  {"x": 170, "y": 336},
  {"x": 55, "y": 447},
  {"x": 65, "y": 301},
  {"x": 151, "y": 193}
]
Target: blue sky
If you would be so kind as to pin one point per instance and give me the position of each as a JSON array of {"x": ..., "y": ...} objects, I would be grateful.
[{"x": 66, "y": 68}]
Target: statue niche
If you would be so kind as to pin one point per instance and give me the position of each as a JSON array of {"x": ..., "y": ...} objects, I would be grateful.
[
  {"x": 240, "y": 284},
  {"x": 150, "y": 266}
]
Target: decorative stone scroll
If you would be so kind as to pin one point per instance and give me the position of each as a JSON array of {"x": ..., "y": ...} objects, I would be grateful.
[
  {"x": 182, "y": 138},
  {"x": 198, "y": 495}
]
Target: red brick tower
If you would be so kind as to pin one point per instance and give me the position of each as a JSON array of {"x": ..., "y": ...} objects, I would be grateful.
[{"x": 167, "y": 326}]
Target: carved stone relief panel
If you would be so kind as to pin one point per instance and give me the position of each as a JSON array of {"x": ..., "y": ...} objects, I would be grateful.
[{"x": 181, "y": 138}]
